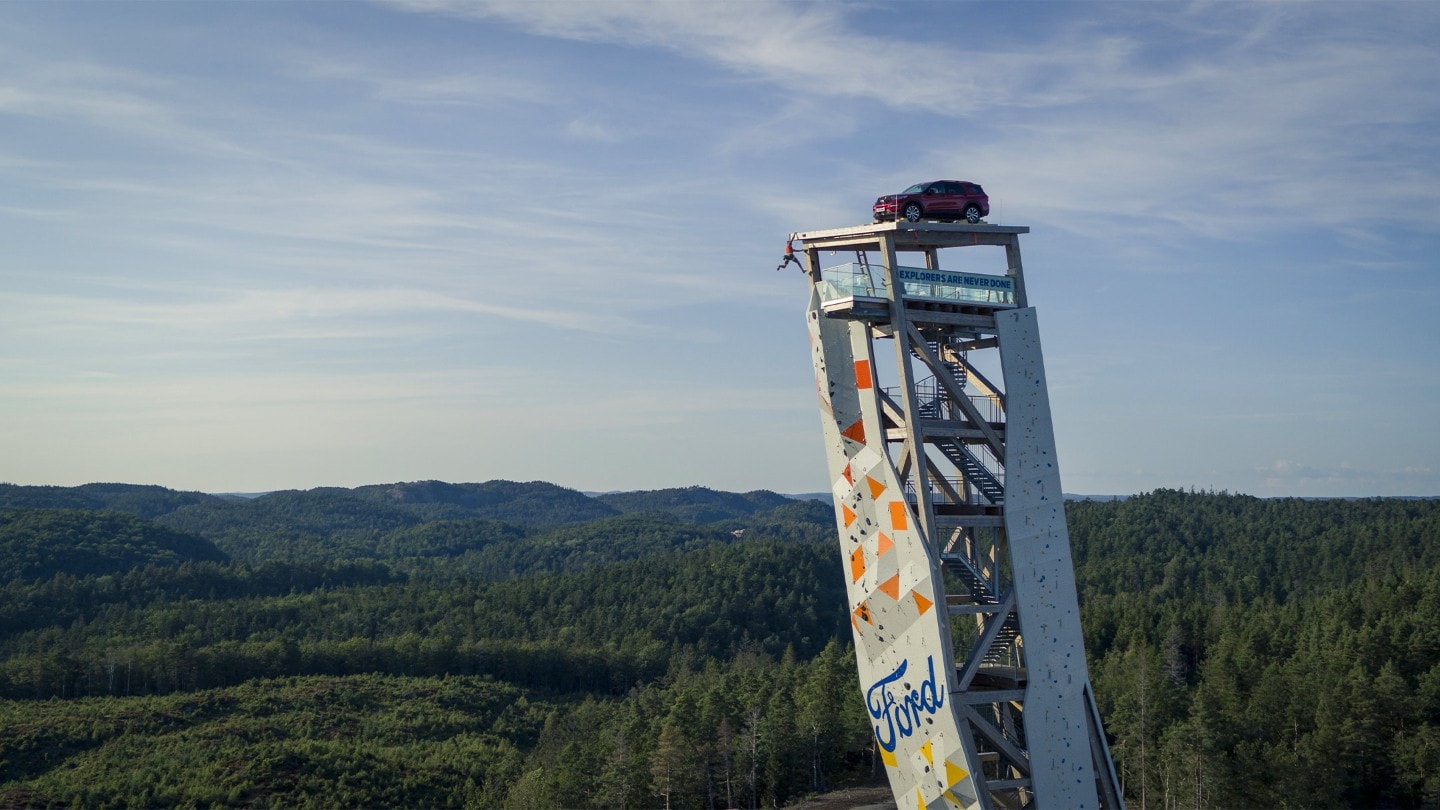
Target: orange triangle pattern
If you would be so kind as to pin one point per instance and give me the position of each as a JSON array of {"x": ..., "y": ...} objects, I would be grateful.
[
  {"x": 857, "y": 564},
  {"x": 849, "y": 477},
  {"x": 885, "y": 544},
  {"x": 848, "y": 514},
  {"x": 898, "y": 519},
  {"x": 891, "y": 587},
  {"x": 856, "y": 432},
  {"x": 875, "y": 487},
  {"x": 862, "y": 374},
  {"x": 863, "y": 611},
  {"x": 921, "y": 602}
]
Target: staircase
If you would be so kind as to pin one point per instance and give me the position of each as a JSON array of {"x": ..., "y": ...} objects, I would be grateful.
[
  {"x": 976, "y": 588},
  {"x": 999, "y": 652},
  {"x": 974, "y": 471}
]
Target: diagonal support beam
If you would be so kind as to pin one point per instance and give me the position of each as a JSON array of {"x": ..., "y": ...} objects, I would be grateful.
[
  {"x": 992, "y": 438},
  {"x": 1011, "y": 751},
  {"x": 982, "y": 382},
  {"x": 985, "y": 641},
  {"x": 938, "y": 476}
]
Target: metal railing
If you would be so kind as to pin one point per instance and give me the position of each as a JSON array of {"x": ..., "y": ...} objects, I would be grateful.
[
  {"x": 854, "y": 279},
  {"x": 935, "y": 401}
]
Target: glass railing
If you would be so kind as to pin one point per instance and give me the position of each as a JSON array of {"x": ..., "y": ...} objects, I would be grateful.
[
  {"x": 851, "y": 279},
  {"x": 856, "y": 280}
]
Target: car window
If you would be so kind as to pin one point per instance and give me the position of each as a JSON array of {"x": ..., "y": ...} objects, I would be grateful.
[{"x": 915, "y": 189}]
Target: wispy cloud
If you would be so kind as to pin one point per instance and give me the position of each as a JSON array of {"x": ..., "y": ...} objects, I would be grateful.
[
  {"x": 1247, "y": 122},
  {"x": 301, "y": 313},
  {"x": 474, "y": 82},
  {"x": 806, "y": 48},
  {"x": 252, "y": 196},
  {"x": 1284, "y": 475}
]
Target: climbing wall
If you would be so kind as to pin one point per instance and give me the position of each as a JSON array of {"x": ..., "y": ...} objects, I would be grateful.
[
  {"x": 1062, "y": 767},
  {"x": 897, "y": 608}
]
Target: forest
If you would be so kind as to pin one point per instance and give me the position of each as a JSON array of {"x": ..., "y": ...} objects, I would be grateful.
[{"x": 523, "y": 645}]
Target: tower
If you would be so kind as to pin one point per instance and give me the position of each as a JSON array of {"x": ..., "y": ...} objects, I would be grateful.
[{"x": 951, "y": 518}]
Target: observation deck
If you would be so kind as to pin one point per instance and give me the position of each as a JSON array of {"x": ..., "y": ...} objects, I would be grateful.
[{"x": 861, "y": 290}]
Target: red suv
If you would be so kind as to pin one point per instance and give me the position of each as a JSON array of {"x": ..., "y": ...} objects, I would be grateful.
[{"x": 941, "y": 199}]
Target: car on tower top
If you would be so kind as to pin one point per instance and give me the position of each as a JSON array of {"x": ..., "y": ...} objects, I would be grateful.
[{"x": 938, "y": 199}]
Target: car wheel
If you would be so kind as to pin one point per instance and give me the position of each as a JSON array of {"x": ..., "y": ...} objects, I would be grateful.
[
  {"x": 972, "y": 213},
  {"x": 913, "y": 212}
]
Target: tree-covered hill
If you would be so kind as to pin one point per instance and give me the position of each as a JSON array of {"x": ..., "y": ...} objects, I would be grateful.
[
  {"x": 750, "y": 732},
  {"x": 409, "y": 524},
  {"x": 695, "y": 504},
  {"x": 388, "y": 521},
  {"x": 448, "y": 538},
  {"x": 635, "y": 638},
  {"x": 813, "y": 521},
  {"x": 1245, "y": 652},
  {"x": 142, "y": 501},
  {"x": 316, "y": 525},
  {"x": 601, "y": 629},
  {"x": 327, "y": 523},
  {"x": 363, "y": 741},
  {"x": 40, "y": 543},
  {"x": 1198, "y": 546},
  {"x": 599, "y": 542},
  {"x": 1288, "y": 649},
  {"x": 534, "y": 504},
  {"x": 333, "y": 523}
]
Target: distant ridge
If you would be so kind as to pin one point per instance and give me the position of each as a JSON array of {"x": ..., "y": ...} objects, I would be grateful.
[
  {"x": 142, "y": 500},
  {"x": 695, "y": 504},
  {"x": 37, "y": 543},
  {"x": 500, "y": 527}
]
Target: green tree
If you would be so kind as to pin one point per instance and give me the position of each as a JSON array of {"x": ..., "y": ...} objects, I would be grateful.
[{"x": 673, "y": 768}]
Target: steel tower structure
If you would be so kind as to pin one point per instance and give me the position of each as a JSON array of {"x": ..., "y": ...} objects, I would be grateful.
[{"x": 951, "y": 519}]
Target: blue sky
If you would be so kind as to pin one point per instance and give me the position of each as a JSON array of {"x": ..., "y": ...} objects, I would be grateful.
[{"x": 253, "y": 246}]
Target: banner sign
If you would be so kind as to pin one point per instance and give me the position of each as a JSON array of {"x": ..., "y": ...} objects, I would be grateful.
[
  {"x": 917, "y": 275},
  {"x": 854, "y": 279}
]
